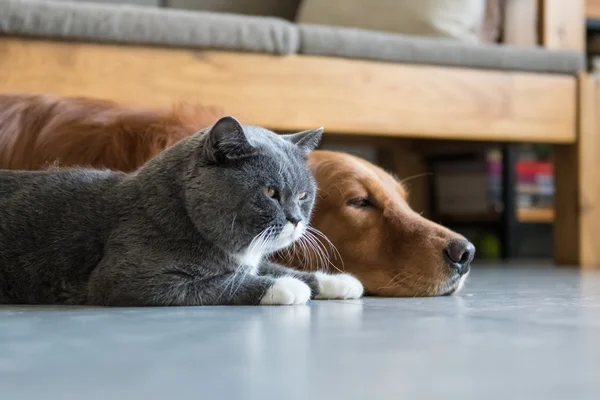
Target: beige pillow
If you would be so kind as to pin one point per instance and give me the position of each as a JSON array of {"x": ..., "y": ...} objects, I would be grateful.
[{"x": 459, "y": 19}]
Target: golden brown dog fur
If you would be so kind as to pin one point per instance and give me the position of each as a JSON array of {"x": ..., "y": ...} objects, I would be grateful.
[
  {"x": 39, "y": 130},
  {"x": 390, "y": 248}
]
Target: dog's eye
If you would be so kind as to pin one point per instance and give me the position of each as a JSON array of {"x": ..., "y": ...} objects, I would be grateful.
[
  {"x": 360, "y": 202},
  {"x": 271, "y": 192},
  {"x": 303, "y": 196}
]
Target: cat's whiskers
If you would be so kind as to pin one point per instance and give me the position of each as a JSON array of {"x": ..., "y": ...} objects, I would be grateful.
[
  {"x": 304, "y": 253},
  {"x": 308, "y": 248},
  {"x": 319, "y": 247},
  {"x": 335, "y": 251},
  {"x": 240, "y": 267},
  {"x": 233, "y": 222},
  {"x": 300, "y": 250},
  {"x": 259, "y": 244},
  {"x": 255, "y": 244},
  {"x": 230, "y": 280},
  {"x": 321, "y": 250},
  {"x": 287, "y": 253}
]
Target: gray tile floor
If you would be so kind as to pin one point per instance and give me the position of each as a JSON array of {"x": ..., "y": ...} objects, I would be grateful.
[{"x": 514, "y": 333}]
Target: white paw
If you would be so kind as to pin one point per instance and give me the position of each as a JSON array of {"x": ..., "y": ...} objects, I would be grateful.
[
  {"x": 340, "y": 286},
  {"x": 286, "y": 291}
]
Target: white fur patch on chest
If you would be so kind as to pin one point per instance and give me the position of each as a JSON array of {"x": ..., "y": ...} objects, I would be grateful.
[{"x": 250, "y": 259}]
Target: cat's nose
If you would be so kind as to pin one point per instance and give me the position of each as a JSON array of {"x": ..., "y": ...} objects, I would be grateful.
[{"x": 294, "y": 220}]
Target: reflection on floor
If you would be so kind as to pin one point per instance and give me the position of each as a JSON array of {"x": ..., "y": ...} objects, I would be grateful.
[{"x": 514, "y": 332}]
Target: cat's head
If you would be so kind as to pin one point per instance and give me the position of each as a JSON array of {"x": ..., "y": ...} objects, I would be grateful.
[{"x": 249, "y": 190}]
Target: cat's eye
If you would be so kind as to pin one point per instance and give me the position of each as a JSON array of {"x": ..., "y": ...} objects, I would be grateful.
[
  {"x": 271, "y": 192},
  {"x": 360, "y": 202},
  {"x": 303, "y": 196}
]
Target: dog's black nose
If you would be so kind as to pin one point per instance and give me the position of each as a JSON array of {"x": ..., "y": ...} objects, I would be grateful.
[{"x": 458, "y": 254}]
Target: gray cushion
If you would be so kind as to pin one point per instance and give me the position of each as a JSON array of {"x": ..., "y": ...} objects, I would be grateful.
[
  {"x": 147, "y": 25},
  {"x": 159, "y": 26},
  {"x": 370, "y": 45}
]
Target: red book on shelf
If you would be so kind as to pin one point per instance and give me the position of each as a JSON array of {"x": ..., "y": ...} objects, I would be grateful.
[{"x": 527, "y": 168}]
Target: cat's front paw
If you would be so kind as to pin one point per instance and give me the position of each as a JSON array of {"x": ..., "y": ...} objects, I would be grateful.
[
  {"x": 286, "y": 291},
  {"x": 339, "y": 286}
]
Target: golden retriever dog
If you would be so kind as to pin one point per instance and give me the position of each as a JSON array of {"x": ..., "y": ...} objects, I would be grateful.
[
  {"x": 361, "y": 222},
  {"x": 363, "y": 211}
]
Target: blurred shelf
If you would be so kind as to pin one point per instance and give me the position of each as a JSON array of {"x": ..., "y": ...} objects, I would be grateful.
[
  {"x": 524, "y": 215},
  {"x": 535, "y": 215},
  {"x": 481, "y": 218}
]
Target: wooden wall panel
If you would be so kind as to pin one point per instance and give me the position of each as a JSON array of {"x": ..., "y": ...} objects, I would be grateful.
[
  {"x": 521, "y": 22},
  {"x": 592, "y": 9},
  {"x": 563, "y": 24}
]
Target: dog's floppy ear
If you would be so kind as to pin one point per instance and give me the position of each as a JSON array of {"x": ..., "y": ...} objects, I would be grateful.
[
  {"x": 227, "y": 141},
  {"x": 307, "y": 141}
]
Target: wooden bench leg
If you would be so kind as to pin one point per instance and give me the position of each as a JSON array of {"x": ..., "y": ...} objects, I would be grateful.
[{"x": 577, "y": 180}]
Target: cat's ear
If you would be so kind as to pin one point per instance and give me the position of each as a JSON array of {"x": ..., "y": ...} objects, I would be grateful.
[
  {"x": 227, "y": 141},
  {"x": 307, "y": 141}
]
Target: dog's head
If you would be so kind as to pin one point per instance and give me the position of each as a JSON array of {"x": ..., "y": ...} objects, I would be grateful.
[{"x": 392, "y": 249}]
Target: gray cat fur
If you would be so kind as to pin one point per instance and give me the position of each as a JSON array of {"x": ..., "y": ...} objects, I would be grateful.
[{"x": 164, "y": 235}]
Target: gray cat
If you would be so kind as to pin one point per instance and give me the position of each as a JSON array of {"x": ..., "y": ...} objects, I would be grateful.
[{"x": 193, "y": 226}]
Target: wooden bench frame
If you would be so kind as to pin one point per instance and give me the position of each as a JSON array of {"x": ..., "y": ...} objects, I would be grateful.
[{"x": 355, "y": 98}]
